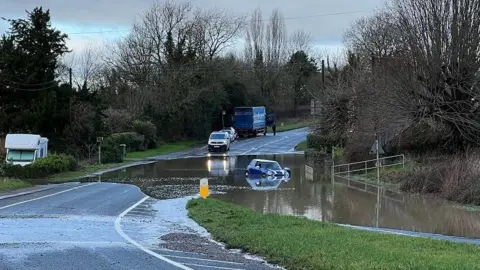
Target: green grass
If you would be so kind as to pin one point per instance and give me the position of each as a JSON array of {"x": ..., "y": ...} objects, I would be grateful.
[
  {"x": 7, "y": 184},
  {"x": 291, "y": 125},
  {"x": 299, "y": 243},
  {"x": 163, "y": 149},
  {"x": 372, "y": 172},
  {"x": 85, "y": 169},
  {"x": 301, "y": 146}
]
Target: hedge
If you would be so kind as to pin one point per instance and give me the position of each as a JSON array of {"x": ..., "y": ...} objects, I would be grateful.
[
  {"x": 43, "y": 167},
  {"x": 132, "y": 140},
  {"x": 325, "y": 142},
  {"x": 149, "y": 131},
  {"x": 112, "y": 152}
]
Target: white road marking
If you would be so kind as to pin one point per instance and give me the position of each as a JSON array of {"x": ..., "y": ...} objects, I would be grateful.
[
  {"x": 200, "y": 259},
  {"x": 133, "y": 242},
  {"x": 89, "y": 243},
  {"x": 216, "y": 267},
  {"x": 377, "y": 230},
  {"x": 263, "y": 145},
  {"x": 46, "y": 196}
]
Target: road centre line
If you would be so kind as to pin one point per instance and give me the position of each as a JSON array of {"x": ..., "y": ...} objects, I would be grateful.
[
  {"x": 43, "y": 197},
  {"x": 133, "y": 242},
  {"x": 263, "y": 145}
]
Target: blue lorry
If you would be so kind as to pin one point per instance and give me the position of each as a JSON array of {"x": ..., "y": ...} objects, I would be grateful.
[{"x": 250, "y": 121}]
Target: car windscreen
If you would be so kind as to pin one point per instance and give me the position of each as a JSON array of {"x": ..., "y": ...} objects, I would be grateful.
[
  {"x": 217, "y": 136},
  {"x": 271, "y": 165},
  {"x": 20, "y": 155}
]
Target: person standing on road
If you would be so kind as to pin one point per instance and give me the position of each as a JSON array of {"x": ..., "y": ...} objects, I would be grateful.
[{"x": 274, "y": 128}]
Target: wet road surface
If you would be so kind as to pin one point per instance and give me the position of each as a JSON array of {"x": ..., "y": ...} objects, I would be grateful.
[
  {"x": 85, "y": 226},
  {"x": 105, "y": 225},
  {"x": 282, "y": 142},
  {"x": 114, "y": 226},
  {"x": 353, "y": 203}
]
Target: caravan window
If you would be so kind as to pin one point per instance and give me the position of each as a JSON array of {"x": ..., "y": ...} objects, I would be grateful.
[{"x": 20, "y": 155}]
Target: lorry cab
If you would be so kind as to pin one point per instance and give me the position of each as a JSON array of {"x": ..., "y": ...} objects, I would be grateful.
[
  {"x": 24, "y": 149},
  {"x": 271, "y": 119}
]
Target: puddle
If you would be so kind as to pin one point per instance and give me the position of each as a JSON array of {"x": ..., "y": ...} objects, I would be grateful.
[{"x": 343, "y": 201}]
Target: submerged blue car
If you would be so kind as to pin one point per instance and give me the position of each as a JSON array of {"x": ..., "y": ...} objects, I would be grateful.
[{"x": 263, "y": 168}]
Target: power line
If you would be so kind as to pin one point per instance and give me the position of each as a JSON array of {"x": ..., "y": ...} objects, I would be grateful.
[
  {"x": 3, "y": 78},
  {"x": 264, "y": 20},
  {"x": 9, "y": 87}
]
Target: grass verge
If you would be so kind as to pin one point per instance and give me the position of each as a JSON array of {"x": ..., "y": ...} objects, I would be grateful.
[
  {"x": 299, "y": 243},
  {"x": 84, "y": 170},
  {"x": 130, "y": 157},
  {"x": 301, "y": 146},
  {"x": 291, "y": 125},
  {"x": 7, "y": 184},
  {"x": 162, "y": 149}
]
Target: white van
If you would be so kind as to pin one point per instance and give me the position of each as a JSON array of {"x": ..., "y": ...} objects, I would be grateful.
[{"x": 23, "y": 149}]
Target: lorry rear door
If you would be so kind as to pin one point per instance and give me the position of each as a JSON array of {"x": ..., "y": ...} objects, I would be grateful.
[{"x": 243, "y": 118}]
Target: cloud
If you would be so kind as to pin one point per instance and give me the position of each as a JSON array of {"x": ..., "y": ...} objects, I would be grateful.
[{"x": 91, "y": 16}]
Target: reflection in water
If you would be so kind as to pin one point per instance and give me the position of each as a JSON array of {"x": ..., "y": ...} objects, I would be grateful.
[
  {"x": 268, "y": 183},
  {"x": 220, "y": 165},
  {"x": 340, "y": 201}
]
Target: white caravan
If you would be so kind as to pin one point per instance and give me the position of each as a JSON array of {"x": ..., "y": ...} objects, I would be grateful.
[{"x": 23, "y": 149}]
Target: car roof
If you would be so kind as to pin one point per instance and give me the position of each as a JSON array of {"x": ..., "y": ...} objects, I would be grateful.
[
  {"x": 218, "y": 132},
  {"x": 263, "y": 160}
]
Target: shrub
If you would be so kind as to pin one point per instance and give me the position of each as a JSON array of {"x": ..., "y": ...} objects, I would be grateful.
[
  {"x": 454, "y": 178},
  {"x": 148, "y": 130},
  {"x": 424, "y": 137},
  {"x": 116, "y": 121},
  {"x": 42, "y": 168},
  {"x": 111, "y": 151},
  {"x": 316, "y": 156},
  {"x": 325, "y": 141},
  {"x": 132, "y": 140}
]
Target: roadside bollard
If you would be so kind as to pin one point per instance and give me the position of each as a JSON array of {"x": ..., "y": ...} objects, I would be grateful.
[
  {"x": 204, "y": 192},
  {"x": 124, "y": 149}
]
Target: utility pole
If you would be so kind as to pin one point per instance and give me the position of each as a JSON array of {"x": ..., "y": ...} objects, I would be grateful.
[
  {"x": 99, "y": 141},
  {"x": 223, "y": 120},
  {"x": 70, "y": 78},
  {"x": 373, "y": 63},
  {"x": 378, "y": 205},
  {"x": 323, "y": 73}
]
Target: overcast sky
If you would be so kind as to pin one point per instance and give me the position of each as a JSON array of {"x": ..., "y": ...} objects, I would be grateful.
[{"x": 76, "y": 17}]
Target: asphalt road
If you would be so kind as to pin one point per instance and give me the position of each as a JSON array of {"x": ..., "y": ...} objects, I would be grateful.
[
  {"x": 96, "y": 225},
  {"x": 282, "y": 142}
]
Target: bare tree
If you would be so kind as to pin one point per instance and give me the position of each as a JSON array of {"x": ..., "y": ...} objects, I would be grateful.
[
  {"x": 254, "y": 39},
  {"x": 87, "y": 67},
  {"x": 265, "y": 50},
  {"x": 276, "y": 38},
  {"x": 216, "y": 30},
  {"x": 376, "y": 35},
  {"x": 443, "y": 38},
  {"x": 300, "y": 41},
  {"x": 81, "y": 128}
]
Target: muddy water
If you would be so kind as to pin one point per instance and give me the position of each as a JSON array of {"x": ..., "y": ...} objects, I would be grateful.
[{"x": 340, "y": 201}]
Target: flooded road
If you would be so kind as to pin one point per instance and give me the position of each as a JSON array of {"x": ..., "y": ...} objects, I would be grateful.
[{"x": 342, "y": 201}]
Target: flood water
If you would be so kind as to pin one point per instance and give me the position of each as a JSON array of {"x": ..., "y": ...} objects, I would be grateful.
[{"x": 339, "y": 201}]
